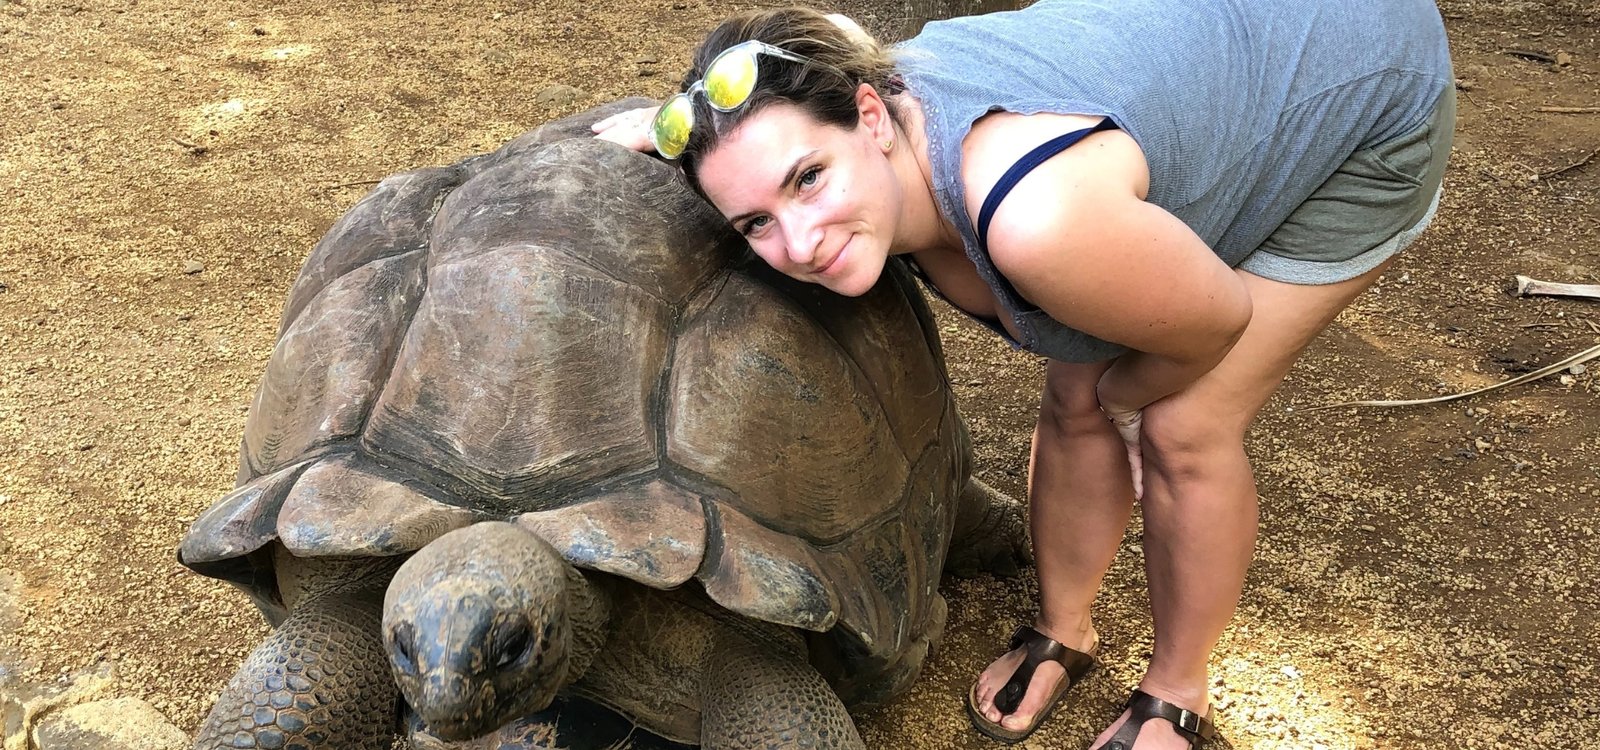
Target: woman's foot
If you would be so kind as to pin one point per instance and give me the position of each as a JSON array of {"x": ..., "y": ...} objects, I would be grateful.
[
  {"x": 1158, "y": 733},
  {"x": 1041, "y": 689}
]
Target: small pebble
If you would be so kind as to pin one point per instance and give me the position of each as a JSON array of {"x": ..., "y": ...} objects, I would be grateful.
[
  {"x": 1577, "y": 369},
  {"x": 193, "y": 267}
]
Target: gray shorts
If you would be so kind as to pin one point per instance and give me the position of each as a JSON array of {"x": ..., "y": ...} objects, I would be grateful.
[{"x": 1373, "y": 206}]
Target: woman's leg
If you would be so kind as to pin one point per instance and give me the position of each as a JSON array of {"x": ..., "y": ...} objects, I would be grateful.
[
  {"x": 1199, "y": 503},
  {"x": 1081, "y": 496}
]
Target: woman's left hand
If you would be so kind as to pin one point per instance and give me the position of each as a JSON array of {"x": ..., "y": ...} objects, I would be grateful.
[
  {"x": 1129, "y": 424},
  {"x": 630, "y": 128}
]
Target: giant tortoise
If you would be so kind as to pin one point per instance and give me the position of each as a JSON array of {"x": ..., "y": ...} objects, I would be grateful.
[{"x": 744, "y": 488}]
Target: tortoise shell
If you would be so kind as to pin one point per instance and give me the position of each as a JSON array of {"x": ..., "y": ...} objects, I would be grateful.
[{"x": 562, "y": 335}]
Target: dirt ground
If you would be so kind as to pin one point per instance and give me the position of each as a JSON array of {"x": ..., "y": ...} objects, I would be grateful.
[{"x": 1424, "y": 578}]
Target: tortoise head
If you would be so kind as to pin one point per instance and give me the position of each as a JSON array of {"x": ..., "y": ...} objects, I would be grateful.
[{"x": 476, "y": 629}]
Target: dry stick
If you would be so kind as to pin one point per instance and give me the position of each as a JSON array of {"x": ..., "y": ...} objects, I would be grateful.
[
  {"x": 1527, "y": 287},
  {"x": 1572, "y": 110},
  {"x": 1529, "y": 54},
  {"x": 353, "y": 184},
  {"x": 1570, "y": 167},
  {"x": 1579, "y": 358}
]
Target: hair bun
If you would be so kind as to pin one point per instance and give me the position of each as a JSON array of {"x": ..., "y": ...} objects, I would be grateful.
[{"x": 853, "y": 30}]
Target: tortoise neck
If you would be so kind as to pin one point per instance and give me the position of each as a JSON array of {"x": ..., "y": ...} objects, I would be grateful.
[{"x": 589, "y": 611}]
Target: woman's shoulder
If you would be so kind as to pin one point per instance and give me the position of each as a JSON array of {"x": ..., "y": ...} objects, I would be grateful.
[{"x": 1101, "y": 163}]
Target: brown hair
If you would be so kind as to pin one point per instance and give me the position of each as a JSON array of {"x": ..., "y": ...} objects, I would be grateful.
[{"x": 819, "y": 89}]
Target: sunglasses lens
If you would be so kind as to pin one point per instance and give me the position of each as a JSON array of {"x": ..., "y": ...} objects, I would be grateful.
[
  {"x": 730, "y": 78},
  {"x": 673, "y": 123}
]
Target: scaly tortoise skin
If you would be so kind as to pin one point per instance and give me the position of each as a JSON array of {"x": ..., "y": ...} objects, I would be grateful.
[{"x": 641, "y": 468}]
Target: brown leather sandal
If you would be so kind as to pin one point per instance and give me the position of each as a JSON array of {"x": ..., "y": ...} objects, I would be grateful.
[
  {"x": 1143, "y": 706},
  {"x": 1040, "y": 648}
]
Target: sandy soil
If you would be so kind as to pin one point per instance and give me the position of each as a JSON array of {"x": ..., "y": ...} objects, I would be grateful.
[{"x": 1425, "y": 576}]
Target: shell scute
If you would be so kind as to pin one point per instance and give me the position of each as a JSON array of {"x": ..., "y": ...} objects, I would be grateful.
[
  {"x": 393, "y": 219},
  {"x": 769, "y": 575},
  {"x": 885, "y": 320},
  {"x": 654, "y": 533},
  {"x": 329, "y": 364},
  {"x": 601, "y": 205},
  {"x": 525, "y": 377},
  {"x": 771, "y": 407},
  {"x": 349, "y": 506},
  {"x": 241, "y": 521}
]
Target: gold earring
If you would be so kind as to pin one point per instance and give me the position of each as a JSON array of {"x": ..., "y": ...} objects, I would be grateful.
[{"x": 889, "y": 144}]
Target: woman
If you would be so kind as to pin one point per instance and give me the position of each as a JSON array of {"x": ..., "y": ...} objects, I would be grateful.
[{"x": 1167, "y": 198}]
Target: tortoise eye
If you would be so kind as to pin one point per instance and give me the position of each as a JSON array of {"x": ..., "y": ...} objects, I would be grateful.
[
  {"x": 405, "y": 657},
  {"x": 515, "y": 642}
]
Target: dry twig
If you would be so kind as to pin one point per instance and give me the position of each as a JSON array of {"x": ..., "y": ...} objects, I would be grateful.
[
  {"x": 1550, "y": 369},
  {"x": 1527, "y": 287},
  {"x": 1529, "y": 54},
  {"x": 1572, "y": 110},
  {"x": 194, "y": 148},
  {"x": 1570, "y": 167},
  {"x": 357, "y": 183}
]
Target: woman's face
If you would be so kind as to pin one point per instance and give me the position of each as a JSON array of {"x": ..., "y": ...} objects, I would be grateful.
[{"x": 816, "y": 202}]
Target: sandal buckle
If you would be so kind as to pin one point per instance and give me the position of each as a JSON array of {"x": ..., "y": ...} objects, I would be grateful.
[{"x": 1189, "y": 721}]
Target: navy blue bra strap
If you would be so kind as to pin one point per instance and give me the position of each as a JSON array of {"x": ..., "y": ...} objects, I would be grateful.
[{"x": 1025, "y": 165}]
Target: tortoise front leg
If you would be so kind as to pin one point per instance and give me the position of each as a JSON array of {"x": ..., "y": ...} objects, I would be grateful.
[
  {"x": 991, "y": 533},
  {"x": 757, "y": 698},
  {"x": 320, "y": 681}
]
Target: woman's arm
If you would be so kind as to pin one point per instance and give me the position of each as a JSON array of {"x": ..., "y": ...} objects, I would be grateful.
[{"x": 1076, "y": 238}]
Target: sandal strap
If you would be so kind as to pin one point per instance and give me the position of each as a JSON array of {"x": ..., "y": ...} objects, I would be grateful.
[
  {"x": 1039, "y": 648},
  {"x": 1143, "y": 707}
]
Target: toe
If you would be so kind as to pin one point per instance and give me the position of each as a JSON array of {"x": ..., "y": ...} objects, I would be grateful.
[
  {"x": 1039, "y": 689},
  {"x": 995, "y": 677},
  {"x": 1017, "y": 721}
]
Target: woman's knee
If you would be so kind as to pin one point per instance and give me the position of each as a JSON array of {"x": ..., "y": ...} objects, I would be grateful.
[
  {"x": 1070, "y": 404},
  {"x": 1184, "y": 436}
]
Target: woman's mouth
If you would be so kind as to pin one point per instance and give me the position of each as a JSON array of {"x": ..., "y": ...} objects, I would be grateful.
[{"x": 837, "y": 262}]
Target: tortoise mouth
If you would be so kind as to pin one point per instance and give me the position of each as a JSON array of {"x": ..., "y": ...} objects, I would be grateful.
[
  {"x": 452, "y": 730},
  {"x": 475, "y": 719}
]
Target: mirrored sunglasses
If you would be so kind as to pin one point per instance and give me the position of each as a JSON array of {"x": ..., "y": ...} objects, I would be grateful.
[{"x": 727, "y": 85}]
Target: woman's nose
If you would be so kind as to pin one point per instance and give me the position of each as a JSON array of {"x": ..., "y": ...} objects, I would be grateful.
[{"x": 800, "y": 238}]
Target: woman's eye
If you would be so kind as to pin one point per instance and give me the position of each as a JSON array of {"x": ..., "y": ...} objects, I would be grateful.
[
  {"x": 754, "y": 225},
  {"x": 809, "y": 177}
]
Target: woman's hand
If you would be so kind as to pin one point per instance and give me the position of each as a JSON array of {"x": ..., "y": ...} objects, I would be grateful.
[
  {"x": 1129, "y": 424},
  {"x": 630, "y": 128}
]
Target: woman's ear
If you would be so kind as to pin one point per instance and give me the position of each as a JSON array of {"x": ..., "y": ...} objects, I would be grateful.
[{"x": 874, "y": 113}]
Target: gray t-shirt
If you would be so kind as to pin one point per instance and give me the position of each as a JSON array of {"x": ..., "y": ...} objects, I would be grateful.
[{"x": 1242, "y": 107}]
